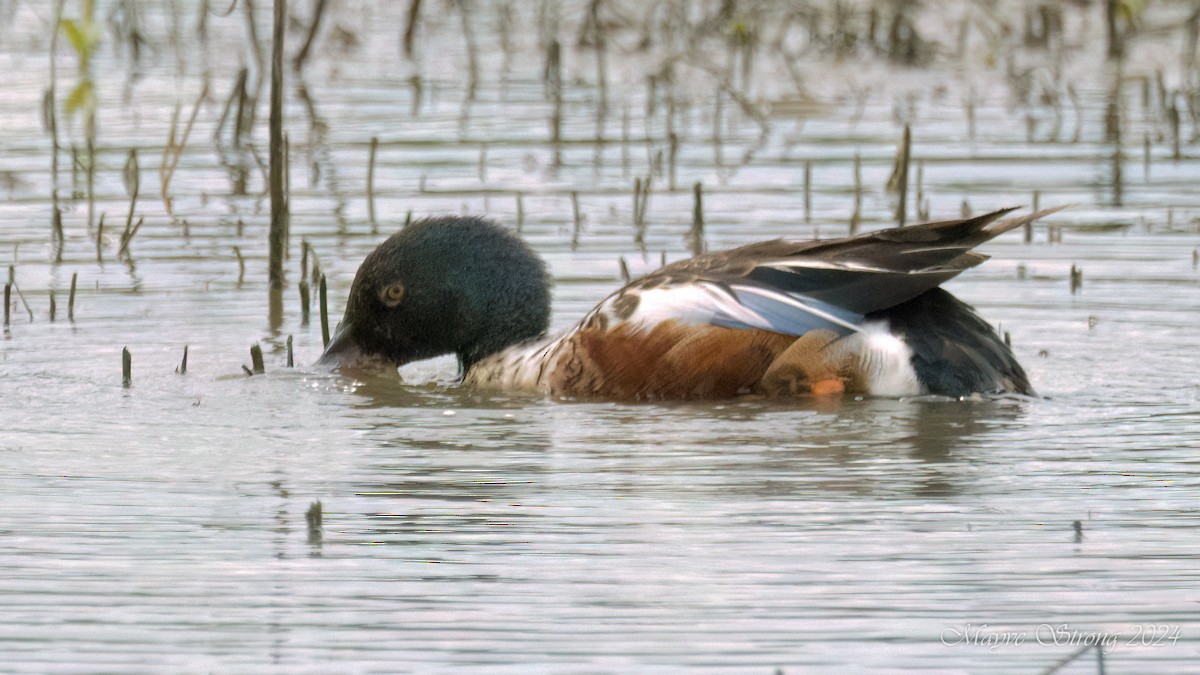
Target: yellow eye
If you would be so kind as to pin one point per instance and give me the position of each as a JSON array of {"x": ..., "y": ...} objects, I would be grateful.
[{"x": 392, "y": 294}]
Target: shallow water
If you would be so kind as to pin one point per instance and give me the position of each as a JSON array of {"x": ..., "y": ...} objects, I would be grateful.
[{"x": 162, "y": 526}]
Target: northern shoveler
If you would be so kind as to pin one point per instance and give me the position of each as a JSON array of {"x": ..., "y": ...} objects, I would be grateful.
[{"x": 861, "y": 314}]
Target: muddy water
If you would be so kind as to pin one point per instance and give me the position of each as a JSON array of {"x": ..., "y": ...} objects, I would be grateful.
[{"x": 162, "y": 526}]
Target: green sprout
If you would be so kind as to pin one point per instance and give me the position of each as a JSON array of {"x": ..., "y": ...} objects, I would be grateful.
[{"x": 84, "y": 35}]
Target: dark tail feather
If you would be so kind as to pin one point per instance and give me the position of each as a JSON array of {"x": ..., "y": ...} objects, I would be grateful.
[
  {"x": 993, "y": 231},
  {"x": 955, "y": 353},
  {"x": 964, "y": 232},
  {"x": 919, "y": 247}
]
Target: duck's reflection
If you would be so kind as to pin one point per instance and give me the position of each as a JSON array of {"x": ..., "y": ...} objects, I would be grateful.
[{"x": 442, "y": 458}]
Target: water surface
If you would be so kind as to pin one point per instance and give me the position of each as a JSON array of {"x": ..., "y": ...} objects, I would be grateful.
[{"x": 162, "y": 526}]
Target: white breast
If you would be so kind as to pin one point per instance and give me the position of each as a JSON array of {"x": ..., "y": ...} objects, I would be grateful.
[
  {"x": 885, "y": 362},
  {"x": 518, "y": 368}
]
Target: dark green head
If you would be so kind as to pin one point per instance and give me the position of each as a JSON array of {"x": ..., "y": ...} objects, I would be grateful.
[{"x": 443, "y": 285}]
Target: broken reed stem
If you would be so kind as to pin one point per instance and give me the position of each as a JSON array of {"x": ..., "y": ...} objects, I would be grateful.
[
  {"x": 600, "y": 45},
  {"x": 520, "y": 211},
  {"x": 324, "y": 302},
  {"x": 922, "y": 202},
  {"x": 7, "y": 303},
  {"x": 290, "y": 361},
  {"x": 1029, "y": 225},
  {"x": 256, "y": 359},
  {"x": 71, "y": 297},
  {"x": 578, "y": 220},
  {"x": 410, "y": 27},
  {"x": 51, "y": 106},
  {"x": 53, "y": 307},
  {"x": 174, "y": 148},
  {"x": 672, "y": 153},
  {"x": 718, "y": 115},
  {"x": 128, "y": 237},
  {"x": 899, "y": 180},
  {"x": 276, "y": 237},
  {"x": 641, "y": 198},
  {"x": 318, "y": 12},
  {"x": 182, "y": 368},
  {"x": 1173, "y": 119},
  {"x": 260, "y": 63},
  {"x": 1076, "y": 279},
  {"x": 637, "y": 199},
  {"x": 625, "y": 276},
  {"x": 971, "y": 114},
  {"x": 316, "y": 262},
  {"x": 807, "y": 191},
  {"x": 856, "y": 217},
  {"x": 12, "y": 280},
  {"x": 76, "y": 164},
  {"x": 553, "y": 78},
  {"x": 312, "y": 517},
  {"x": 371, "y": 184},
  {"x": 1146, "y": 157},
  {"x": 91, "y": 177},
  {"x": 305, "y": 301},
  {"x": 287, "y": 190},
  {"x": 56, "y": 226},
  {"x": 132, "y": 177},
  {"x": 464, "y": 15},
  {"x": 242, "y": 124},
  {"x": 696, "y": 234},
  {"x": 100, "y": 239},
  {"x": 241, "y": 265},
  {"x": 126, "y": 368},
  {"x": 1115, "y": 46},
  {"x": 235, "y": 94}
]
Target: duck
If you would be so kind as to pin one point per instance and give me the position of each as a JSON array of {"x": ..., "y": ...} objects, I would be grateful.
[{"x": 860, "y": 315}]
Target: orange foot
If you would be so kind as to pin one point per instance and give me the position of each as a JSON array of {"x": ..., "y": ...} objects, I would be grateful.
[{"x": 830, "y": 387}]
